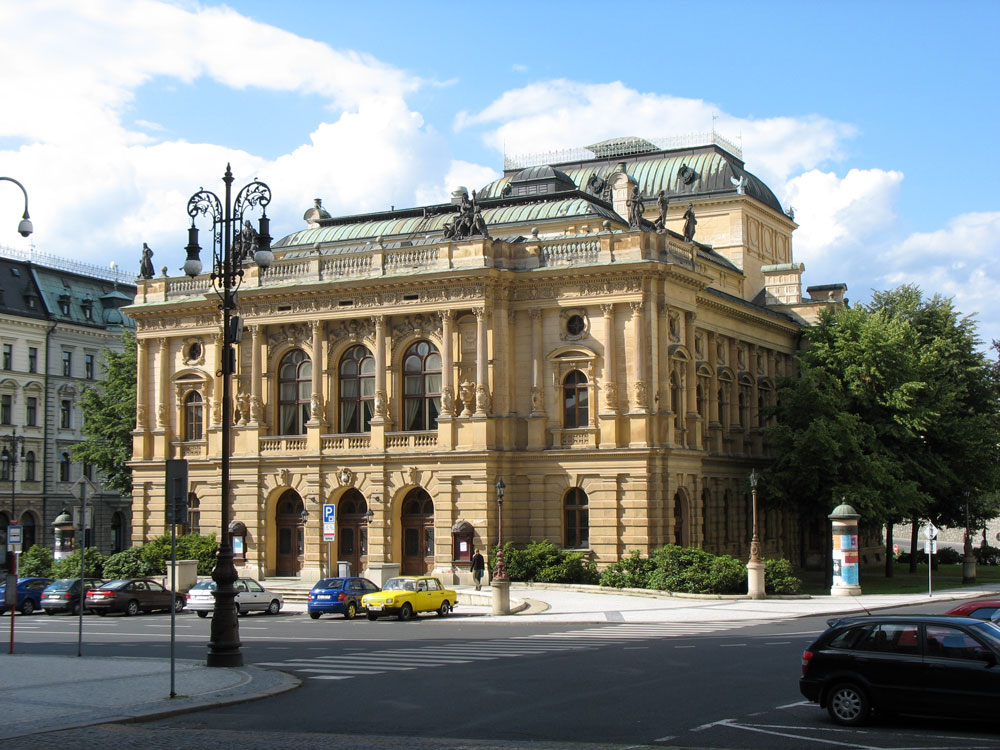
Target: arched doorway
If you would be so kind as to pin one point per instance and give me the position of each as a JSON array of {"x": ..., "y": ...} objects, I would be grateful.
[
  {"x": 352, "y": 531},
  {"x": 290, "y": 532},
  {"x": 680, "y": 520},
  {"x": 418, "y": 532}
]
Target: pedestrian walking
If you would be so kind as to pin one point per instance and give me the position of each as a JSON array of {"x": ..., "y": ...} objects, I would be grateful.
[{"x": 478, "y": 567}]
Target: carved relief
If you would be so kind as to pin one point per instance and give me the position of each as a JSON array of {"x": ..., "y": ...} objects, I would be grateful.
[
  {"x": 419, "y": 323},
  {"x": 412, "y": 476},
  {"x": 699, "y": 345},
  {"x": 675, "y": 326},
  {"x": 242, "y": 415},
  {"x": 295, "y": 333},
  {"x": 611, "y": 395},
  {"x": 484, "y": 403},
  {"x": 720, "y": 350},
  {"x": 255, "y": 410},
  {"x": 537, "y": 401},
  {"x": 468, "y": 393},
  {"x": 355, "y": 329},
  {"x": 381, "y": 404},
  {"x": 315, "y": 407},
  {"x": 448, "y": 400},
  {"x": 346, "y": 477}
]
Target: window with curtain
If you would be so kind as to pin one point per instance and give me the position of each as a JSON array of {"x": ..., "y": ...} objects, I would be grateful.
[
  {"x": 357, "y": 390},
  {"x": 64, "y": 464},
  {"x": 575, "y": 400},
  {"x": 294, "y": 393},
  {"x": 576, "y": 517},
  {"x": 194, "y": 423},
  {"x": 29, "y": 467},
  {"x": 421, "y": 387},
  {"x": 65, "y": 414}
]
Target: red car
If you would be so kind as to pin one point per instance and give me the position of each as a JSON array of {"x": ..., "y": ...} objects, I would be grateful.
[{"x": 981, "y": 609}]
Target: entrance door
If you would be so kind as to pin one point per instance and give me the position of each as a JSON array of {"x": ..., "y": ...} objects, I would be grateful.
[
  {"x": 418, "y": 533},
  {"x": 352, "y": 534},
  {"x": 291, "y": 534}
]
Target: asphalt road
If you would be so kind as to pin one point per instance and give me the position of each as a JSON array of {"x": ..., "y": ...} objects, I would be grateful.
[{"x": 465, "y": 682}]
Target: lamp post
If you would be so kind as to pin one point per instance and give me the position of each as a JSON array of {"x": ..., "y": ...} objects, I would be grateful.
[
  {"x": 24, "y": 228},
  {"x": 13, "y": 453},
  {"x": 755, "y": 567},
  {"x": 234, "y": 242},
  {"x": 501, "y": 583}
]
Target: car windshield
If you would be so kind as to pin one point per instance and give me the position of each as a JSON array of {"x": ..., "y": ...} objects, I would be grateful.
[
  {"x": 400, "y": 584},
  {"x": 116, "y": 584},
  {"x": 330, "y": 583},
  {"x": 989, "y": 631},
  {"x": 204, "y": 586}
]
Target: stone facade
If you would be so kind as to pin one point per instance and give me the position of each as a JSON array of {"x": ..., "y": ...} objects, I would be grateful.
[{"x": 612, "y": 376}]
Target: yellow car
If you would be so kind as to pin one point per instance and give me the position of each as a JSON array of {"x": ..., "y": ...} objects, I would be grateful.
[{"x": 405, "y": 596}]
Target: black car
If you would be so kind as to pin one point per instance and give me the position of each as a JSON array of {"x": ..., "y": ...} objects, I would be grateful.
[{"x": 916, "y": 664}]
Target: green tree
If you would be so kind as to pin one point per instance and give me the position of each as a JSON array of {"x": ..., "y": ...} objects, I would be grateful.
[
  {"x": 37, "y": 561},
  {"x": 69, "y": 566},
  {"x": 109, "y": 418}
]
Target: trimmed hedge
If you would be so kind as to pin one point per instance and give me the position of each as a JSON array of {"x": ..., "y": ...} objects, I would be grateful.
[{"x": 544, "y": 562}]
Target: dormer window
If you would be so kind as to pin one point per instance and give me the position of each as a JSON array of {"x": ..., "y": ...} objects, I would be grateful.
[
  {"x": 64, "y": 304},
  {"x": 88, "y": 309}
]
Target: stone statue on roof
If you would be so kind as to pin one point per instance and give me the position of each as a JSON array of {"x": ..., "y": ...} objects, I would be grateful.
[
  {"x": 635, "y": 206},
  {"x": 689, "y": 223},
  {"x": 661, "y": 221},
  {"x": 146, "y": 264},
  {"x": 469, "y": 221}
]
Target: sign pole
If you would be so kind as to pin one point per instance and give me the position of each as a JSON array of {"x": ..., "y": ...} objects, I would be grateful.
[
  {"x": 13, "y": 607},
  {"x": 329, "y": 534},
  {"x": 83, "y": 560}
]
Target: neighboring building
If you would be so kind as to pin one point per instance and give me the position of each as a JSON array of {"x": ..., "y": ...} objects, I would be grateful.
[
  {"x": 57, "y": 317},
  {"x": 550, "y": 330}
]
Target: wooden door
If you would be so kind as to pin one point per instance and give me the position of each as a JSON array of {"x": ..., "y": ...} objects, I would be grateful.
[
  {"x": 418, "y": 533},
  {"x": 290, "y": 534}
]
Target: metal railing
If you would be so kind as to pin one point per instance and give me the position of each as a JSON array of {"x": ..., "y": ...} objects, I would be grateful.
[
  {"x": 65, "y": 264},
  {"x": 668, "y": 143}
]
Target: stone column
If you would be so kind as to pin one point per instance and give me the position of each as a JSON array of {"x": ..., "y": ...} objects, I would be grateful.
[
  {"x": 447, "y": 364},
  {"x": 256, "y": 376},
  {"x": 691, "y": 385},
  {"x": 610, "y": 374},
  {"x": 316, "y": 417},
  {"x": 141, "y": 398},
  {"x": 641, "y": 383},
  {"x": 537, "y": 364},
  {"x": 381, "y": 397},
  {"x": 483, "y": 405}
]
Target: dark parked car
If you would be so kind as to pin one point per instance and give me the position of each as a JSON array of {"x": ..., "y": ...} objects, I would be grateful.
[
  {"x": 64, "y": 595},
  {"x": 131, "y": 596},
  {"x": 981, "y": 609},
  {"x": 338, "y": 596},
  {"x": 932, "y": 665},
  {"x": 29, "y": 594}
]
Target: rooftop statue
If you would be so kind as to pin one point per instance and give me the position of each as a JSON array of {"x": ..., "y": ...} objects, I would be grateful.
[
  {"x": 635, "y": 205},
  {"x": 468, "y": 223},
  {"x": 146, "y": 264},
  {"x": 689, "y": 223},
  {"x": 661, "y": 221}
]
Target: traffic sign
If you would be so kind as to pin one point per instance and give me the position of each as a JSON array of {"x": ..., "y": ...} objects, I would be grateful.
[
  {"x": 930, "y": 531},
  {"x": 83, "y": 488},
  {"x": 14, "y": 534},
  {"x": 329, "y": 522}
]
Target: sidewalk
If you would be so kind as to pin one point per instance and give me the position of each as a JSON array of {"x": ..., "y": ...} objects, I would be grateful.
[{"x": 48, "y": 693}]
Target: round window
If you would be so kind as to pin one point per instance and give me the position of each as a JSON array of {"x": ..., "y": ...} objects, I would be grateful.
[
  {"x": 194, "y": 351},
  {"x": 575, "y": 325}
]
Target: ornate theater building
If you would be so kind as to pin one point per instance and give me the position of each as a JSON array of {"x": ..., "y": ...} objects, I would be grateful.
[{"x": 601, "y": 329}]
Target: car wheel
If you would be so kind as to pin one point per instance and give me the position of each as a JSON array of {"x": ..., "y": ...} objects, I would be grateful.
[
  {"x": 406, "y": 612},
  {"x": 274, "y": 607},
  {"x": 372, "y": 616},
  {"x": 848, "y": 704},
  {"x": 202, "y": 613},
  {"x": 239, "y": 612},
  {"x": 315, "y": 615},
  {"x": 75, "y": 610},
  {"x": 28, "y": 607},
  {"x": 351, "y": 611},
  {"x": 132, "y": 608},
  {"x": 179, "y": 604},
  {"x": 445, "y": 609}
]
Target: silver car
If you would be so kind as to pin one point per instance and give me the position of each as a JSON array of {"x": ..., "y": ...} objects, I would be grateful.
[{"x": 250, "y": 597}]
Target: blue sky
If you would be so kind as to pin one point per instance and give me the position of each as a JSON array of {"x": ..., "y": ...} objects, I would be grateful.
[{"x": 876, "y": 121}]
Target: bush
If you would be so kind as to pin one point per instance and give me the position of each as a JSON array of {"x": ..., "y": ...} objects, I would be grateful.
[
  {"x": 778, "y": 578},
  {"x": 544, "y": 562},
  {"x": 127, "y": 564},
  {"x": 156, "y": 552},
  {"x": 69, "y": 567},
  {"x": 37, "y": 561},
  {"x": 694, "y": 571},
  {"x": 630, "y": 573},
  {"x": 987, "y": 555}
]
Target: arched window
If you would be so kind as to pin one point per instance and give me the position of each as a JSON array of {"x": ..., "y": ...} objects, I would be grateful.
[
  {"x": 675, "y": 400},
  {"x": 194, "y": 423},
  {"x": 357, "y": 390},
  {"x": 5, "y": 472},
  {"x": 29, "y": 467},
  {"x": 64, "y": 464},
  {"x": 294, "y": 393},
  {"x": 117, "y": 531},
  {"x": 421, "y": 387},
  {"x": 575, "y": 400},
  {"x": 576, "y": 517},
  {"x": 194, "y": 514},
  {"x": 29, "y": 537}
]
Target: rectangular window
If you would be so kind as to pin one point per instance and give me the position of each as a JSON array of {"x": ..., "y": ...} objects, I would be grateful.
[
  {"x": 67, "y": 364},
  {"x": 65, "y": 414},
  {"x": 6, "y": 407},
  {"x": 32, "y": 359},
  {"x": 31, "y": 412},
  {"x": 88, "y": 366},
  {"x": 8, "y": 356}
]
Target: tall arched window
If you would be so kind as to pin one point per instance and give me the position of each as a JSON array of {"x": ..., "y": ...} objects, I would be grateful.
[
  {"x": 576, "y": 516},
  {"x": 294, "y": 393},
  {"x": 575, "y": 400},
  {"x": 194, "y": 423},
  {"x": 29, "y": 537},
  {"x": 117, "y": 531},
  {"x": 421, "y": 387},
  {"x": 64, "y": 464},
  {"x": 29, "y": 467},
  {"x": 5, "y": 464},
  {"x": 357, "y": 390}
]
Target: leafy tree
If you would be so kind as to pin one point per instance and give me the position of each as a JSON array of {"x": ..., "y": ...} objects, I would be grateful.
[
  {"x": 109, "y": 418},
  {"x": 69, "y": 566},
  {"x": 37, "y": 561}
]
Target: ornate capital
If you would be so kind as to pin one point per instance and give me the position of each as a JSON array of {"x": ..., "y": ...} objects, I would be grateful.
[
  {"x": 637, "y": 306},
  {"x": 480, "y": 313},
  {"x": 608, "y": 308}
]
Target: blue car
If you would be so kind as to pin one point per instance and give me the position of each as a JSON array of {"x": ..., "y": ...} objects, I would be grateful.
[
  {"x": 29, "y": 594},
  {"x": 339, "y": 596}
]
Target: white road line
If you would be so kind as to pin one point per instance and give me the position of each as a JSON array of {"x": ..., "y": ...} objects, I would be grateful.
[{"x": 793, "y": 705}]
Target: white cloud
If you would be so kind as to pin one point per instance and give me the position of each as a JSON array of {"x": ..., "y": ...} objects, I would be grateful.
[{"x": 460, "y": 174}]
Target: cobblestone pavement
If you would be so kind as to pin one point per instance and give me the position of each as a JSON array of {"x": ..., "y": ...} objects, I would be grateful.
[{"x": 148, "y": 737}]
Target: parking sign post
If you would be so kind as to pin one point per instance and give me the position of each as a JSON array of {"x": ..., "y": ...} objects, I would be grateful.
[
  {"x": 329, "y": 533},
  {"x": 10, "y": 592},
  {"x": 930, "y": 547}
]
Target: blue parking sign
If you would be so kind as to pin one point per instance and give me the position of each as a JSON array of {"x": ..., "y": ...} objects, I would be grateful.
[{"x": 329, "y": 513}]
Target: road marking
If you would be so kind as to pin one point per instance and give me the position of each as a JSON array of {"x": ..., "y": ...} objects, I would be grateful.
[{"x": 793, "y": 705}]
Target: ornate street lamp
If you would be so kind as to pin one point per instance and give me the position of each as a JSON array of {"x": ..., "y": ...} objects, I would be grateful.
[
  {"x": 234, "y": 242},
  {"x": 500, "y": 569},
  {"x": 755, "y": 567},
  {"x": 24, "y": 228},
  {"x": 13, "y": 453}
]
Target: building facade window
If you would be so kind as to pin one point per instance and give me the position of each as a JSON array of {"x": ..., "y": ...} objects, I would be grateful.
[
  {"x": 88, "y": 366},
  {"x": 194, "y": 514},
  {"x": 67, "y": 363},
  {"x": 32, "y": 359},
  {"x": 117, "y": 531},
  {"x": 88, "y": 470},
  {"x": 194, "y": 425},
  {"x": 357, "y": 390},
  {"x": 64, "y": 464},
  {"x": 8, "y": 356},
  {"x": 31, "y": 411},
  {"x": 29, "y": 535},
  {"x": 421, "y": 387},
  {"x": 65, "y": 414},
  {"x": 6, "y": 408},
  {"x": 576, "y": 411},
  {"x": 576, "y": 519},
  {"x": 29, "y": 466},
  {"x": 294, "y": 392},
  {"x": 5, "y": 470}
]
